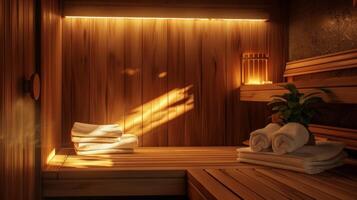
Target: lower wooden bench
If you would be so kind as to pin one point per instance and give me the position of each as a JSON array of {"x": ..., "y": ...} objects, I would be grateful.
[
  {"x": 199, "y": 172},
  {"x": 268, "y": 183},
  {"x": 148, "y": 171}
]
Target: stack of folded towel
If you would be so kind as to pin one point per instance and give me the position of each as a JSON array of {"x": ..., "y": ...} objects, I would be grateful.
[
  {"x": 92, "y": 139},
  {"x": 285, "y": 147}
]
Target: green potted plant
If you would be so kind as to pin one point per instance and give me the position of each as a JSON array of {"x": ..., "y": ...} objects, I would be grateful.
[{"x": 295, "y": 106}]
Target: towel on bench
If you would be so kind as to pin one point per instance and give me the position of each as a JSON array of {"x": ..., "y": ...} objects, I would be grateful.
[
  {"x": 126, "y": 141},
  {"x": 289, "y": 138},
  {"x": 91, "y": 139},
  {"x": 261, "y": 139},
  {"x": 92, "y": 130},
  {"x": 309, "y": 159}
]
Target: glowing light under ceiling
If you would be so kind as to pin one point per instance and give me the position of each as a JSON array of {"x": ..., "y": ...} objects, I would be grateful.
[{"x": 164, "y": 18}]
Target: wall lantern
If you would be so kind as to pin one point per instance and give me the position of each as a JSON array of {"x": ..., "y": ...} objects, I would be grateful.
[{"x": 255, "y": 69}]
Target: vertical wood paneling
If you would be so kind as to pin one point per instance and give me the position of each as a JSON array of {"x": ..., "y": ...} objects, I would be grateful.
[
  {"x": 193, "y": 78},
  {"x": 233, "y": 62},
  {"x": 17, "y": 110},
  {"x": 98, "y": 70},
  {"x": 7, "y": 100},
  {"x": 155, "y": 83},
  {"x": 116, "y": 67},
  {"x": 133, "y": 77},
  {"x": 67, "y": 118},
  {"x": 15, "y": 95},
  {"x": 214, "y": 84},
  {"x": 176, "y": 82},
  {"x": 51, "y": 77},
  {"x": 81, "y": 71},
  {"x": 30, "y": 116},
  {"x": 2, "y": 84}
]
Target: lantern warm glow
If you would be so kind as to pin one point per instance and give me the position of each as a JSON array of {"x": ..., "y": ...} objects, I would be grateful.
[{"x": 255, "y": 69}]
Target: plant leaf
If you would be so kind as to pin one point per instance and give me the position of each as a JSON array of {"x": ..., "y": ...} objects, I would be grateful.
[
  {"x": 312, "y": 100},
  {"x": 325, "y": 90},
  {"x": 276, "y": 100},
  {"x": 311, "y": 94},
  {"x": 291, "y": 87}
]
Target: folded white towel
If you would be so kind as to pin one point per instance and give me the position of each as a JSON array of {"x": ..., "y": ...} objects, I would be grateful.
[
  {"x": 126, "y": 141},
  {"x": 261, "y": 139},
  {"x": 91, "y": 130},
  {"x": 309, "y": 159},
  {"x": 104, "y": 151},
  {"x": 289, "y": 138},
  {"x": 312, "y": 170},
  {"x": 76, "y": 139}
]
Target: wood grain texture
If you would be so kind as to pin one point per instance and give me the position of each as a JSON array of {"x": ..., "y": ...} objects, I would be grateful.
[
  {"x": 328, "y": 62},
  {"x": 98, "y": 70},
  {"x": 193, "y": 79},
  {"x": 155, "y": 113},
  {"x": 133, "y": 77},
  {"x": 267, "y": 183},
  {"x": 343, "y": 90},
  {"x": 233, "y": 81},
  {"x": 176, "y": 74},
  {"x": 208, "y": 172},
  {"x": 116, "y": 66},
  {"x": 214, "y": 84},
  {"x": 18, "y": 115},
  {"x": 51, "y": 78},
  {"x": 176, "y": 80}
]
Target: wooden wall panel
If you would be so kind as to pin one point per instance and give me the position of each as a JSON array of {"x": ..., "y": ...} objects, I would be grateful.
[
  {"x": 98, "y": 41},
  {"x": 176, "y": 81},
  {"x": 214, "y": 83},
  {"x": 51, "y": 78},
  {"x": 233, "y": 60},
  {"x": 2, "y": 99},
  {"x": 193, "y": 79},
  {"x": 67, "y": 118},
  {"x": 180, "y": 79},
  {"x": 116, "y": 68},
  {"x": 155, "y": 83},
  {"x": 18, "y": 116},
  {"x": 133, "y": 73}
]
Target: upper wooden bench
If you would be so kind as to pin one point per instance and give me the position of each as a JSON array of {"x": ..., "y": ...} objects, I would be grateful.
[{"x": 199, "y": 172}]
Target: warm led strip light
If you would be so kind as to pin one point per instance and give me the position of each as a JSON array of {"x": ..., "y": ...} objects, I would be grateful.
[{"x": 163, "y": 18}]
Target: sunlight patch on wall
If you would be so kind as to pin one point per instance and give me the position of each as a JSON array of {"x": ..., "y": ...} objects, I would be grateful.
[{"x": 158, "y": 111}]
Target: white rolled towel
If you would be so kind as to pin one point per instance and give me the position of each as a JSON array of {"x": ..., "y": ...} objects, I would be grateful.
[
  {"x": 289, "y": 138},
  {"x": 261, "y": 139},
  {"x": 92, "y": 130}
]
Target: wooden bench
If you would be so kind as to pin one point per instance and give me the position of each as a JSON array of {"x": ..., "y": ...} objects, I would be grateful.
[
  {"x": 267, "y": 183},
  {"x": 149, "y": 171},
  {"x": 199, "y": 172}
]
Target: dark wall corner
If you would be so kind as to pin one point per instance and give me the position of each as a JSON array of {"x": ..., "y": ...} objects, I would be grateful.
[{"x": 318, "y": 27}]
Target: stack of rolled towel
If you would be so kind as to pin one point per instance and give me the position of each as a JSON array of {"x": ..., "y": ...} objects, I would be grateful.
[
  {"x": 286, "y": 147},
  {"x": 90, "y": 139}
]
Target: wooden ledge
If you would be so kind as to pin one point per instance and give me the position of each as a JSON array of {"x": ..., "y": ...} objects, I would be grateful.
[
  {"x": 329, "y": 62},
  {"x": 344, "y": 90}
]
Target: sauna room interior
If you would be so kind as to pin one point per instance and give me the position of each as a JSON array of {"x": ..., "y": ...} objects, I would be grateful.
[{"x": 178, "y": 99}]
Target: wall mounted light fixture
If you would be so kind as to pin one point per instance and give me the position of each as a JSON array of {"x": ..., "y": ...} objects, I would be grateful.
[{"x": 255, "y": 69}]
